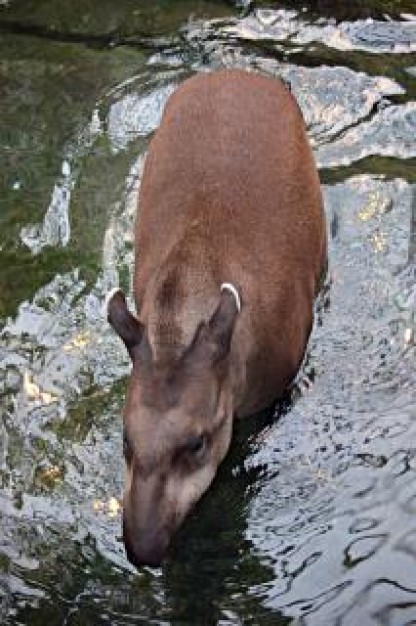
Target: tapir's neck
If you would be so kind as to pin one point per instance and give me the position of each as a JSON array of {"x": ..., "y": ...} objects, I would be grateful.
[{"x": 183, "y": 293}]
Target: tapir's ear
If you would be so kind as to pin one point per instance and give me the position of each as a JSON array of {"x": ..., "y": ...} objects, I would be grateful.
[
  {"x": 124, "y": 323},
  {"x": 213, "y": 340}
]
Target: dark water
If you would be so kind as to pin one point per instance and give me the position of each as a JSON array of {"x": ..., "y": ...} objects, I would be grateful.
[{"x": 312, "y": 520}]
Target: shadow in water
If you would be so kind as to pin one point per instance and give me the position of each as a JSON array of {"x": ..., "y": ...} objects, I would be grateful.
[{"x": 211, "y": 554}]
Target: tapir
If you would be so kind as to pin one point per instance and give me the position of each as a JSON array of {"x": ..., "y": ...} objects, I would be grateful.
[{"x": 230, "y": 247}]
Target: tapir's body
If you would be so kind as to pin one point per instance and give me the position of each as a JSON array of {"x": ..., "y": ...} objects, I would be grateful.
[{"x": 230, "y": 194}]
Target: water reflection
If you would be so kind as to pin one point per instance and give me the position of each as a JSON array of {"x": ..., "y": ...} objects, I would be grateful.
[{"x": 312, "y": 515}]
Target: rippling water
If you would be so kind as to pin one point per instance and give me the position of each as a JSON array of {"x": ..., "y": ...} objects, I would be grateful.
[{"x": 312, "y": 518}]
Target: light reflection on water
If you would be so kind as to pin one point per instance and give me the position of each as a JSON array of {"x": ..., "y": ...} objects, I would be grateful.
[{"x": 312, "y": 516}]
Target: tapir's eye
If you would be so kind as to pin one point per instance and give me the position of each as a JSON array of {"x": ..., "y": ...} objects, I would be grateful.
[{"x": 197, "y": 445}]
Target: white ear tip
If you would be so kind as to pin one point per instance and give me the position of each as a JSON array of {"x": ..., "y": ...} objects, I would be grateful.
[
  {"x": 230, "y": 287},
  {"x": 108, "y": 298}
]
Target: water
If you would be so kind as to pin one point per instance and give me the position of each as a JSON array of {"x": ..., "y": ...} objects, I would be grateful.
[{"x": 312, "y": 518}]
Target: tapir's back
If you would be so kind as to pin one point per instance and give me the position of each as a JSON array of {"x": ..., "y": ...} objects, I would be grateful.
[
  {"x": 231, "y": 159},
  {"x": 232, "y": 146}
]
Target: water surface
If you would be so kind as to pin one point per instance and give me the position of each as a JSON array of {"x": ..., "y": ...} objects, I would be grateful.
[{"x": 312, "y": 518}]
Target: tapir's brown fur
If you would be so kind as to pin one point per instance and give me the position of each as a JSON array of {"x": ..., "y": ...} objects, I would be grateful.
[{"x": 230, "y": 193}]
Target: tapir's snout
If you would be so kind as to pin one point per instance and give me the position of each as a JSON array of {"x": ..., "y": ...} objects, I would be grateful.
[
  {"x": 144, "y": 547},
  {"x": 147, "y": 520}
]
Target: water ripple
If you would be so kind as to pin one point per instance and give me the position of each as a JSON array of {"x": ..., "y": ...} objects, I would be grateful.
[{"x": 314, "y": 524}]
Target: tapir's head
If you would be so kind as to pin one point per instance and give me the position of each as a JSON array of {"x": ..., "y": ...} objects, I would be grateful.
[{"x": 177, "y": 426}]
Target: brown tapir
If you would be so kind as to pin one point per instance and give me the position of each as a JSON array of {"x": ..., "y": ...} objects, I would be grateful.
[{"x": 230, "y": 247}]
